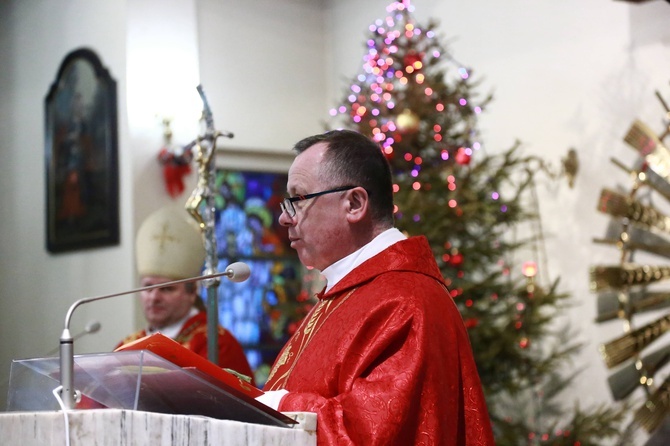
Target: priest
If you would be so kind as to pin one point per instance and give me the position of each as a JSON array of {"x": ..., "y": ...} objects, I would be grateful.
[
  {"x": 383, "y": 358},
  {"x": 169, "y": 247}
]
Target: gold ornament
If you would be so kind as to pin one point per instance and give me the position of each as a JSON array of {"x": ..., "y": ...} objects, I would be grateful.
[
  {"x": 625, "y": 347},
  {"x": 571, "y": 166},
  {"x": 407, "y": 121},
  {"x": 641, "y": 138},
  {"x": 619, "y": 277},
  {"x": 620, "y": 205},
  {"x": 652, "y": 413},
  {"x": 637, "y": 225}
]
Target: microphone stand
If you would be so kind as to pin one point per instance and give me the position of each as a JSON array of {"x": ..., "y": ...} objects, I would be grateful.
[{"x": 236, "y": 272}]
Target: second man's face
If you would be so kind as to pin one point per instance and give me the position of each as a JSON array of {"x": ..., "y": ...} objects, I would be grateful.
[{"x": 165, "y": 305}]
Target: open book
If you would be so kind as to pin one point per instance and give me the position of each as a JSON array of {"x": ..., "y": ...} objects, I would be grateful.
[{"x": 221, "y": 387}]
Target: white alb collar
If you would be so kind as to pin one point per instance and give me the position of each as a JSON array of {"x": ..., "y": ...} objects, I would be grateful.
[
  {"x": 335, "y": 272},
  {"x": 172, "y": 330}
]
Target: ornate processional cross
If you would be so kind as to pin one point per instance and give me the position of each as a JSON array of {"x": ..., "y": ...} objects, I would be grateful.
[{"x": 200, "y": 205}]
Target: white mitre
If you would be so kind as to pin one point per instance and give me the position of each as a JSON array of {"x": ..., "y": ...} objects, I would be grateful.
[{"x": 169, "y": 244}]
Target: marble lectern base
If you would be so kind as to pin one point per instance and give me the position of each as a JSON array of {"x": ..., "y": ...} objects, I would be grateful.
[{"x": 116, "y": 427}]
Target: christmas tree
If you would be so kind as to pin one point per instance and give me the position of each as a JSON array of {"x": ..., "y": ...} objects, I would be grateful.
[{"x": 421, "y": 106}]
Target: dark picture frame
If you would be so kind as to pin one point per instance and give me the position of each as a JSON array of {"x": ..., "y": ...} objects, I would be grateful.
[{"x": 82, "y": 203}]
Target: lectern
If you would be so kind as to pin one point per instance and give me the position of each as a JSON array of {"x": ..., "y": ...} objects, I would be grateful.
[
  {"x": 137, "y": 393},
  {"x": 117, "y": 427}
]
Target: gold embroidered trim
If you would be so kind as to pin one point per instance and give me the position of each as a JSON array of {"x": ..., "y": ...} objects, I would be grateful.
[{"x": 311, "y": 327}]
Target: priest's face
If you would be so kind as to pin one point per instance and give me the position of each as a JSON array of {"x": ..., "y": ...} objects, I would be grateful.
[
  {"x": 319, "y": 229},
  {"x": 164, "y": 306}
]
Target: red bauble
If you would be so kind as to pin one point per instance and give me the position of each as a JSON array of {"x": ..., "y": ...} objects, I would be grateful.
[
  {"x": 471, "y": 322},
  {"x": 412, "y": 57},
  {"x": 456, "y": 259},
  {"x": 462, "y": 156}
]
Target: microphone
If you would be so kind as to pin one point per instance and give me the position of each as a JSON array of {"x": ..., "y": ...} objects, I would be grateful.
[
  {"x": 236, "y": 272},
  {"x": 91, "y": 327}
]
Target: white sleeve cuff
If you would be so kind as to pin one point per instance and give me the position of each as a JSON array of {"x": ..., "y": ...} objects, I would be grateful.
[{"x": 272, "y": 398}]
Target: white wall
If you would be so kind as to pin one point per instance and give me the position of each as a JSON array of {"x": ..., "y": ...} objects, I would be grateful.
[
  {"x": 36, "y": 287},
  {"x": 262, "y": 67},
  {"x": 564, "y": 74},
  {"x": 162, "y": 75}
]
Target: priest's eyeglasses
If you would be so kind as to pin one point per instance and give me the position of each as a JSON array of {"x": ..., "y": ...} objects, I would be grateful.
[{"x": 287, "y": 204}]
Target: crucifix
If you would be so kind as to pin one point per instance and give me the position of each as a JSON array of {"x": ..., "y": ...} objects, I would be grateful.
[{"x": 200, "y": 205}]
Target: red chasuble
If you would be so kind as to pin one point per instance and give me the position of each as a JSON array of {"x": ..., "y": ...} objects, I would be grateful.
[
  {"x": 193, "y": 336},
  {"x": 384, "y": 358}
]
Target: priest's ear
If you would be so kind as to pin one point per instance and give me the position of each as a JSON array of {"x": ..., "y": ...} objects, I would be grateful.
[{"x": 358, "y": 204}]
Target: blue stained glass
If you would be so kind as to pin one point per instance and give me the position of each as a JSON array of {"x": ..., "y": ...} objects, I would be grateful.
[
  {"x": 254, "y": 357},
  {"x": 261, "y": 311}
]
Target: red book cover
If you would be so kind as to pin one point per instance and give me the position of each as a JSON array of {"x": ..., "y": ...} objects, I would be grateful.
[{"x": 177, "y": 354}]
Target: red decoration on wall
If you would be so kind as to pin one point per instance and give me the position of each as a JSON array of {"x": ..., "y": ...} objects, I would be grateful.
[{"x": 175, "y": 168}]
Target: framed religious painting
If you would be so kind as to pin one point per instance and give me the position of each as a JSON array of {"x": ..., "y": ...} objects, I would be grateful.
[{"x": 82, "y": 203}]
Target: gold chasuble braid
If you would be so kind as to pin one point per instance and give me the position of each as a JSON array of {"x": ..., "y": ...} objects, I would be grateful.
[{"x": 297, "y": 344}]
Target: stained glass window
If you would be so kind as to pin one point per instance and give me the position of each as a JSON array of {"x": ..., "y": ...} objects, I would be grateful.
[{"x": 263, "y": 311}]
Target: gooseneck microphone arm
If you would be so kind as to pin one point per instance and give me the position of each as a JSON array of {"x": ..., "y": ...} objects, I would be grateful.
[{"x": 236, "y": 272}]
